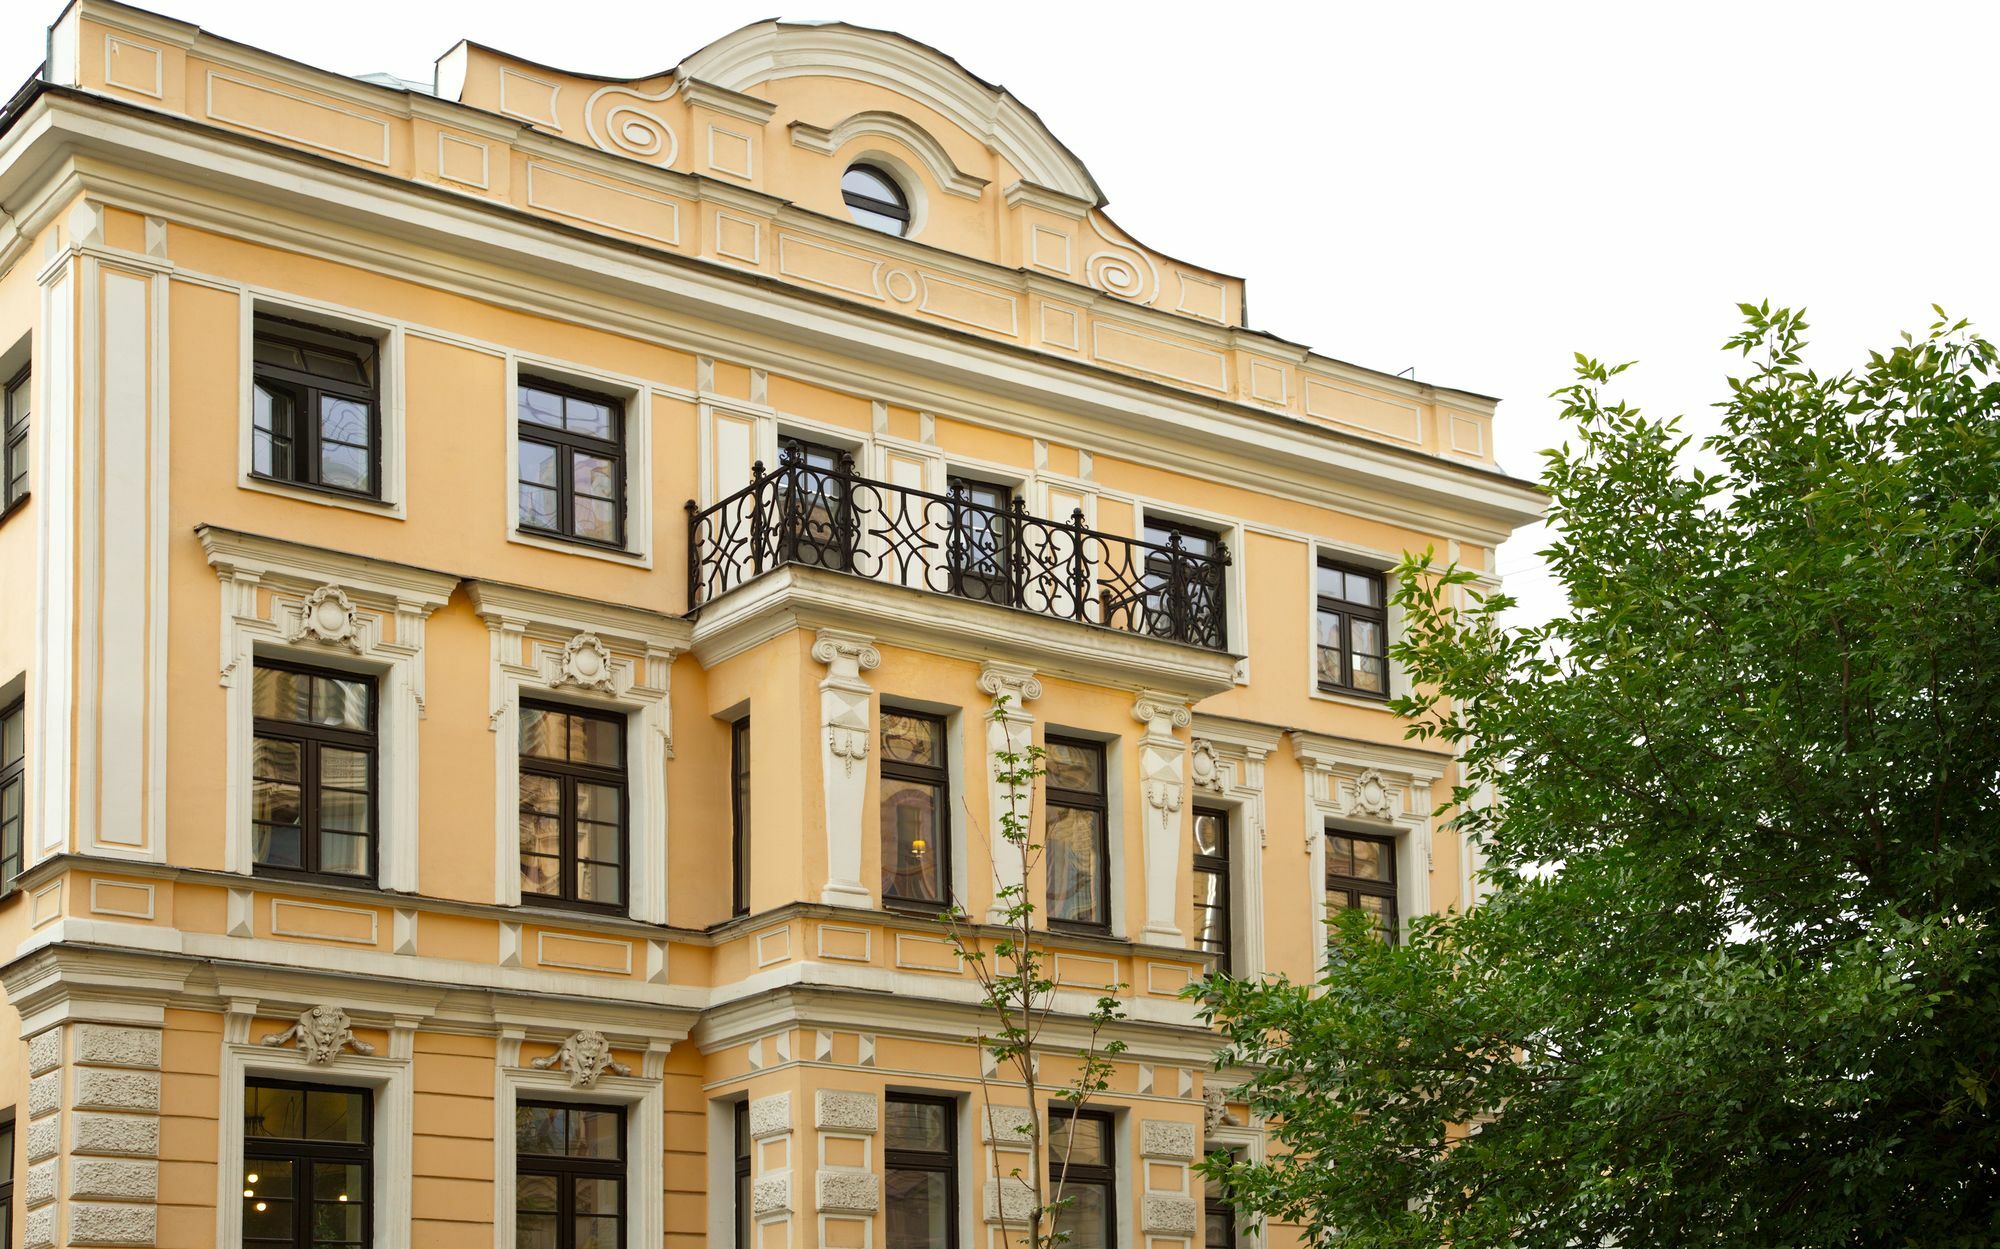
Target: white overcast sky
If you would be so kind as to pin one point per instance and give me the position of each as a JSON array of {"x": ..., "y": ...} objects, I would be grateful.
[{"x": 1476, "y": 190}]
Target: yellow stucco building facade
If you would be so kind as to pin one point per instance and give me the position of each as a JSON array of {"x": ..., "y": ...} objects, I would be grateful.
[{"x": 503, "y": 585}]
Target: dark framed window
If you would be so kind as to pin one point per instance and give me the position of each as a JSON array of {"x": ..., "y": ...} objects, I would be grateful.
[
  {"x": 308, "y": 1162},
  {"x": 977, "y": 546},
  {"x": 573, "y": 800},
  {"x": 739, "y": 817},
  {"x": 1077, "y": 834},
  {"x": 1353, "y": 630},
  {"x": 313, "y": 765},
  {"x": 569, "y": 1176},
  {"x": 742, "y": 1134},
  {"x": 875, "y": 199},
  {"x": 7, "y": 1178},
  {"x": 921, "y": 1157},
  {"x": 315, "y": 407},
  {"x": 816, "y": 514},
  {"x": 570, "y": 472},
  {"x": 1211, "y": 885},
  {"x": 1189, "y": 605},
  {"x": 1361, "y": 873},
  {"x": 1083, "y": 1167},
  {"x": 13, "y": 790},
  {"x": 1217, "y": 1213},
  {"x": 916, "y": 810},
  {"x": 14, "y": 433}
]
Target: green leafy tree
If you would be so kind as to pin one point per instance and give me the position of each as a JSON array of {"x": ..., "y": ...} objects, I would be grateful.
[{"x": 1736, "y": 980}]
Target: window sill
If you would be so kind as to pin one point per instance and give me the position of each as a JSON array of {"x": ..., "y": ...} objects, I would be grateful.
[
  {"x": 7, "y": 513},
  {"x": 325, "y": 498},
  {"x": 578, "y": 912},
  {"x": 1345, "y": 699},
  {"x": 609, "y": 554}
]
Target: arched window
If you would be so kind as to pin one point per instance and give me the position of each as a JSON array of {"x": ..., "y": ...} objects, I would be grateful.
[{"x": 874, "y": 199}]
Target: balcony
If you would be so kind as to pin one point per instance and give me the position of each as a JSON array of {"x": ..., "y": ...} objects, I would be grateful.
[{"x": 828, "y": 517}]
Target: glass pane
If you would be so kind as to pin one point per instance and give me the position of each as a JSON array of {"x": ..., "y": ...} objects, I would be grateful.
[
  {"x": 1073, "y": 865},
  {"x": 599, "y": 1195},
  {"x": 1372, "y": 861},
  {"x": 1218, "y": 1226},
  {"x": 544, "y": 735},
  {"x": 334, "y": 1114},
  {"x": 541, "y": 875},
  {"x": 1369, "y": 675},
  {"x": 539, "y": 1130},
  {"x": 541, "y": 407},
  {"x": 540, "y": 834},
  {"x": 1081, "y": 1141},
  {"x": 340, "y": 366},
  {"x": 1211, "y": 834},
  {"x": 876, "y": 221},
  {"x": 274, "y": 791},
  {"x": 601, "y": 804},
  {"x": 1083, "y": 1217},
  {"x": 595, "y": 741},
  {"x": 861, "y": 180},
  {"x": 599, "y": 842},
  {"x": 273, "y": 1112},
  {"x": 910, "y": 739},
  {"x": 344, "y": 420},
  {"x": 595, "y": 1133},
  {"x": 1384, "y": 912},
  {"x": 538, "y": 507},
  {"x": 919, "y": 1206},
  {"x": 1074, "y": 766},
  {"x": 338, "y": 1181},
  {"x": 535, "y": 1192},
  {"x": 339, "y": 703},
  {"x": 535, "y": 1231},
  {"x": 594, "y": 475},
  {"x": 540, "y": 795},
  {"x": 277, "y": 694},
  {"x": 596, "y": 1232},
  {"x": 345, "y": 468},
  {"x": 276, "y": 847},
  {"x": 1329, "y": 630},
  {"x": 343, "y": 812},
  {"x": 599, "y": 882},
  {"x": 1367, "y": 637},
  {"x": 587, "y": 416},
  {"x": 537, "y": 463},
  {"x": 1362, "y": 588},
  {"x": 267, "y": 1219},
  {"x": 12, "y": 730},
  {"x": 336, "y": 1223},
  {"x": 344, "y": 854},
  {"x": 1339, "y": 855},
  {"x": 912, "y": 854},
  {"x": 924, "y": 1126},
  {"x": 596, "y": 519},
  {"x": 343, "y": 769}
]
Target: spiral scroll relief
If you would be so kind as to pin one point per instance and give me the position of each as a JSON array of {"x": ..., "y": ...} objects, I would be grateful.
[
  {"x": 627, "y": 128},
  {"x": 1121, "y": 274}
]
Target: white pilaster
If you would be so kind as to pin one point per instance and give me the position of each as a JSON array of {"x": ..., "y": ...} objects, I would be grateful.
[
  {"x": 847, "y": 725},
  {"x": 1009, "y": 732},
  {"x": 1164, "y": 790}
]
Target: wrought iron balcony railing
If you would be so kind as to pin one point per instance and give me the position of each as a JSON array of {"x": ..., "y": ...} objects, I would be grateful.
[{"x": 830, "y": 517}]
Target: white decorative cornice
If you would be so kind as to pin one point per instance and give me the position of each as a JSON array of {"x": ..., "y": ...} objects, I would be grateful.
[
  {"x": 322, "y": 1034},
  {"x": 586, "y": 1056},
  {"x": 1019, "y": 193},
  {"x": 734, "y": 103},
  {"x": 233, "y": 553},
  {"x": 522, "y": 607}
]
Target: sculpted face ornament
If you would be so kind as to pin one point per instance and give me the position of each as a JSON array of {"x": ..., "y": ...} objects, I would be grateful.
[
  {"x": 1215, "y": 1105},
  {"x": 322, "y": 1032},
  {"x": 586, "y": 1055},
  {"x": 327, "y": 615}
]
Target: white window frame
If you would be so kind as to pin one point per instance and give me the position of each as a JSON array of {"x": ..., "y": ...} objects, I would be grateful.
[
  {"x": 382, "y": 636},
  {"x": 1342, "y": 780},
  {"x": 1392, "y": 620},
  {"x": 644, "y": 1101},
  {"x": 388, "y": 1078},
  {"x": 532, "y": 634},
  {"x": 636, "y": 396},
  {"x": 390, "y": 346},
  {"x": 1226, "y": 771}
]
